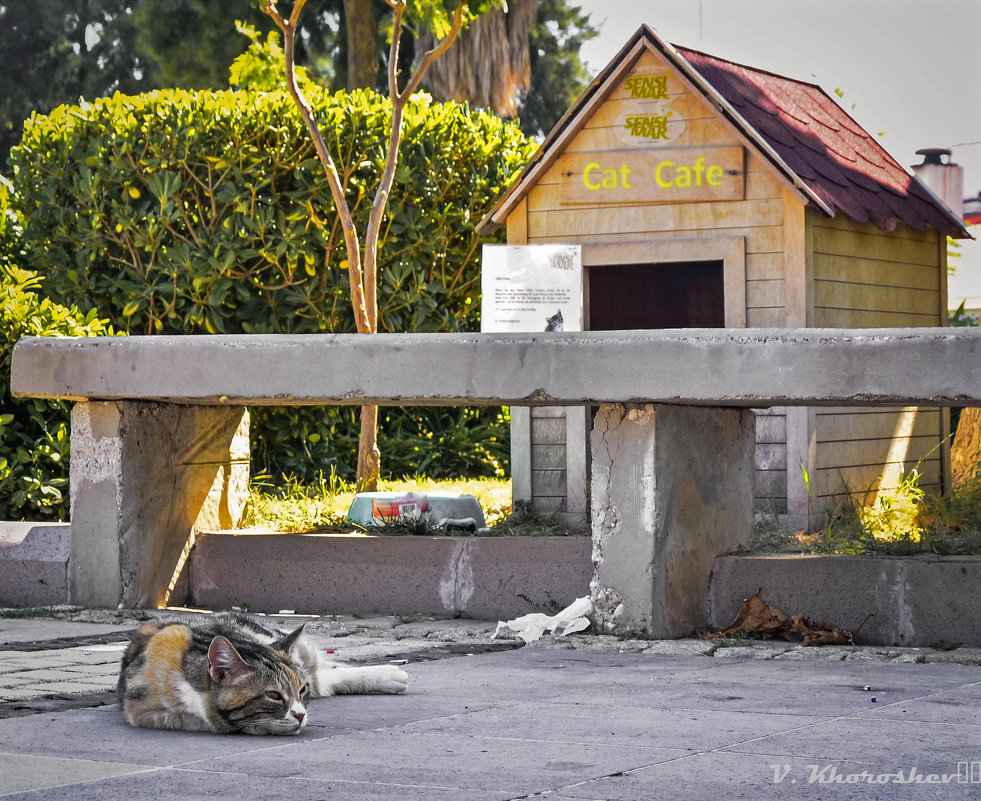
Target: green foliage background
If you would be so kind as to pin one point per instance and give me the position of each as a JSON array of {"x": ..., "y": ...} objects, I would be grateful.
[
  {"x": 183, "y": 212},
  {"x": 34, "y": 432}
]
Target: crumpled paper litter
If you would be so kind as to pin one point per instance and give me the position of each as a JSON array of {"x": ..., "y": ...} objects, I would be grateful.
[{"x": 531, "y": 627}]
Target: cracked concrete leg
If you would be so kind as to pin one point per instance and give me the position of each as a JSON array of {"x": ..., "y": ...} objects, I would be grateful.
[
  {"x": 141, "y": 474},
  {"x": 672, "y": 489}
]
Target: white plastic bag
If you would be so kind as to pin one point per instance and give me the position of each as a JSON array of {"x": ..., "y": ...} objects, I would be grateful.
[{"x": 531, "y": 627}]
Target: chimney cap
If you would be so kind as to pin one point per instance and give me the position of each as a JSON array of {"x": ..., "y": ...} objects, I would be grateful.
[{"x": 934, "y": 155}]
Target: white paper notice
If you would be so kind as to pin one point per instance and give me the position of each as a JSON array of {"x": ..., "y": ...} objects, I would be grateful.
[{"x": 528, "y": 288}]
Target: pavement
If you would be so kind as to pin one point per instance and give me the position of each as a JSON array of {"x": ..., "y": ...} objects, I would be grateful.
[{"x": 583, "y": 717}]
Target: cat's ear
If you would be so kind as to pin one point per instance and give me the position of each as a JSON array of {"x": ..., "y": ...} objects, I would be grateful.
[
  {"x": 288, "y": 641},
  {"x": 224, "y": 663}
]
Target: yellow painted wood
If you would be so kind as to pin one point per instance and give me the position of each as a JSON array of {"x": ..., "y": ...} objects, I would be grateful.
[
  {"x": 853, "y": 270},
  {"x": 833, "y": 294},
  {"x": 771, "y": 456},
  {"x": 842, "y": 222},
  {"x": 668, "y": 175},
  {"x": 585, "y": 221},
  {"x": 764, "y": 293},
  {"x": 842, "y": 426},
  {"x": 697, "y": 132},
  {"x": 518, "y": 224},
  {"x": 764, "y": 266},
  {"x": 771, "y": 485},
  {"x": 798, "y": 294},
  {"x": 835, "y": 484},
  {"x": 758, "y": 240},
  {"x": 874, "y": 246},
  {"x": 765, "y": 318},
  {"x": 771, "y": 428},
  {"x": 856, "y": 318}
]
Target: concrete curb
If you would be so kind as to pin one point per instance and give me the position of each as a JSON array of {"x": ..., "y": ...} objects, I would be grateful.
[
  {"x": 475, "y": 577},
  {"x": 913, "y": 600},
  {"x": 34, "y": 563}
]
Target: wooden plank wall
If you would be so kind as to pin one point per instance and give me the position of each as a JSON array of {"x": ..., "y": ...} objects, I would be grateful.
[
  {"x": 759, "y": 217},
  {"x": 866, "y": 277},
  {"x": 548, "y": 459}
]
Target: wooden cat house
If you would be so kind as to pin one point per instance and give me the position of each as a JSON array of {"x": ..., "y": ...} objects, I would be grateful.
[{"x": 706, "y": 193}]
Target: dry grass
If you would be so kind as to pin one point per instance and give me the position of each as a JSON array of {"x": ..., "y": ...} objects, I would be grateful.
[{"x": 906, "y": 522}]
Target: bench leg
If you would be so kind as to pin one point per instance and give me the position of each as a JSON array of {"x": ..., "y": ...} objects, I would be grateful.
[
  {"x": 143, "y": 476},
  {"x": 672, "y": 489}
]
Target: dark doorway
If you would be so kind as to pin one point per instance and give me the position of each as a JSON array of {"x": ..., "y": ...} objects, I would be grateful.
[{"x": 689, "y": 294}]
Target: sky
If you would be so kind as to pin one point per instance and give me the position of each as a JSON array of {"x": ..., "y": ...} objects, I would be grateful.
[{"x": 908, "y": 68}]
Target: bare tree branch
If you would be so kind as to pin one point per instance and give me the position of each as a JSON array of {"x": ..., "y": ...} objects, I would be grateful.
[
  {"x": 363, "y": 277},
  {"x": 356, "y": 279}
]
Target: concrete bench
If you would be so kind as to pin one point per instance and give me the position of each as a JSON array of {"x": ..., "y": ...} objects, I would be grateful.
[{"x": 160, "y": 427}]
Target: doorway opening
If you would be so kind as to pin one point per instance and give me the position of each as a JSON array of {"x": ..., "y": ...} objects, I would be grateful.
[{"x": 688, "y": 294}]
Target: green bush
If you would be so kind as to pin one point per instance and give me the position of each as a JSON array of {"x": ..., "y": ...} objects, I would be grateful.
[
  {"x": 34, "y": 432},
  {"x": 180, "y": 212}
]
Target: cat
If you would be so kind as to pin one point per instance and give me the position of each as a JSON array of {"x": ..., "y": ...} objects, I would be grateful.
[
  {"x": 554, "y": 323},
  {"x": 229, "y": 673}
]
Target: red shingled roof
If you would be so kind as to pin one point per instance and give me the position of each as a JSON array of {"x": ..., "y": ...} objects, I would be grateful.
[{"x": 838, "y": 160}]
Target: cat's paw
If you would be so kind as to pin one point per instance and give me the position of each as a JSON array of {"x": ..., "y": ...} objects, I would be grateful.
[{"x": 391, "y": 679}]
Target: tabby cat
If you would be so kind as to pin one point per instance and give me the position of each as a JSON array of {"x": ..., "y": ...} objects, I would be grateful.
[{"x": 228, "y": 673}]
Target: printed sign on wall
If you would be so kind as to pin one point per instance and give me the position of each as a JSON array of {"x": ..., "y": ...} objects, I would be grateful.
[{"x": 529, "y": 288}]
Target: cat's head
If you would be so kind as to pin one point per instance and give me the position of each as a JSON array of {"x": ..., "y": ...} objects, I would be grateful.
[{"x": 260, "y": 690}]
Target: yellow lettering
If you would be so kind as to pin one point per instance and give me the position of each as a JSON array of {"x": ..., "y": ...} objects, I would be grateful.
[
  {"x": 714, "y": 175},
  {"x": 683, "y": 179},
  {"x": 609, "y": 179},
  {"x": 593, "y": 165},
  {"x": 624, "y": 172},
  {"x": 698, "y": 169},
  {"x": 660, "y": 181}
]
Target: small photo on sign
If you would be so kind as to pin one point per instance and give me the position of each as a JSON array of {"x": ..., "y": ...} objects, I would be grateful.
[{"x": 528, "y": 288}]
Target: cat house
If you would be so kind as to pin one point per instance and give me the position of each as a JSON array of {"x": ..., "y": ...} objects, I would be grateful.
[{"x": 705, "y": 193}]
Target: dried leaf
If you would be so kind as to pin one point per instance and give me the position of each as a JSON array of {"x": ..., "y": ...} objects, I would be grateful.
[{"x": 758, "y": 618}]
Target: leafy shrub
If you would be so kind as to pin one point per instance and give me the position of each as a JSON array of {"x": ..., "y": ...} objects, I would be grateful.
[
  {"x": 34, "y": 432},
  {"x": 180, "y": 212}
]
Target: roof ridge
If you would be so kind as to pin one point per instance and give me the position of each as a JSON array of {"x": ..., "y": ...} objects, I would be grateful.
[{"x": 749, "y": 67}]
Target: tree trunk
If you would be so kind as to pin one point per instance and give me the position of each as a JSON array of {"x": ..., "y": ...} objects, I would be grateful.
[
  {"x": 965, "y": 452},
  {"x": 363, "y": 282},
  {"x": 369, "y": 456},
  {"x": 362, "y": 55}
]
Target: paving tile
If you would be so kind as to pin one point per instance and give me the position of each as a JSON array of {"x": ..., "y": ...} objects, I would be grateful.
[
  {"x": 186, "y": 785},
  {"x": 22, "y": 772},
  {"x": 720, "y": 775},
  {"x": 938, "y": 748},
  {"x": 15, "y": 680},
  {"x": 20, "y": 693},
  {"x": 960, "y": 705},
  {"x": 616, "y": 724},
  {"x": 108, "y": 737},
  {"x": 70, "y": 688},
  {"x": 93, "y": 670},
  {"x": 509, "y": 764},
  {"x": 48, "y": 675},
  {"x": 566, "y": 724},
  {"x": 34, "y": 629}
]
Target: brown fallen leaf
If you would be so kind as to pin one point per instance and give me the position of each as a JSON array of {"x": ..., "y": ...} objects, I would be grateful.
[{"x": 758, "y": 618}]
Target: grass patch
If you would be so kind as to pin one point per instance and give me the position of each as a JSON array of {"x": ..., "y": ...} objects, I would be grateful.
[
  {"x": 298, "y": 508},
  {"x": 905, "y": 522}
]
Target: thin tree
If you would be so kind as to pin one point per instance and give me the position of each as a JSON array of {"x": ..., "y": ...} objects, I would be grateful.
[{"x": 362, "y": 271}]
